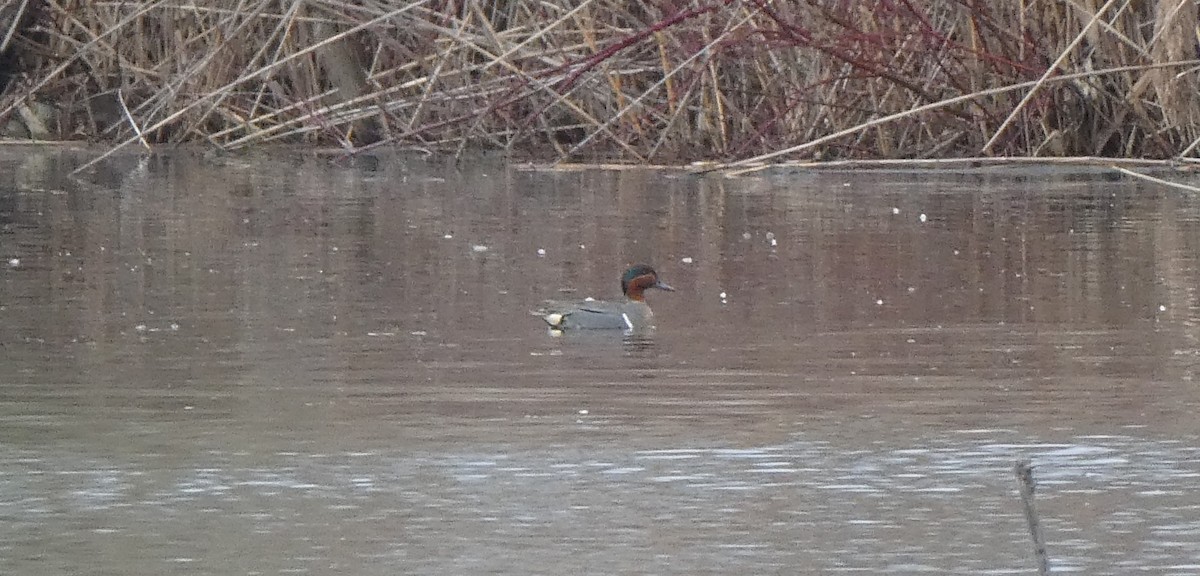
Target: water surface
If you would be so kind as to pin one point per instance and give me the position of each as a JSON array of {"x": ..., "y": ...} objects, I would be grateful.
[{"x": 289, "y": 364}]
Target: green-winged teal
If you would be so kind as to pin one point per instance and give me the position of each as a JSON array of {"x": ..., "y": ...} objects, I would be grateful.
[{"x": 632, "y": 314}]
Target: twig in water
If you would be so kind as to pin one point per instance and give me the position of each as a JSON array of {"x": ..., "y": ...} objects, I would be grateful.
[
  {"x": 1024, "y": 471},
  {"x": 1149, "y": 178}
]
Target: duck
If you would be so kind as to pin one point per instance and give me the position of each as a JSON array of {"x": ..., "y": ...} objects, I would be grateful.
[{"x": 631, "y": 315}]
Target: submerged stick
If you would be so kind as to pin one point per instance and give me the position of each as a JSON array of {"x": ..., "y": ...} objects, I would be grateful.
[
  {"x": 1149, "y": 178},
  {"x": 1024, "y": 472}
]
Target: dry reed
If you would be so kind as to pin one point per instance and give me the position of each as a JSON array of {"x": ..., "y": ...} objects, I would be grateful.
[{"x": 731, "y": 81}]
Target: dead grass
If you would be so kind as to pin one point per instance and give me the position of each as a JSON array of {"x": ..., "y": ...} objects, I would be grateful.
[{"x": 646, "y": 82}]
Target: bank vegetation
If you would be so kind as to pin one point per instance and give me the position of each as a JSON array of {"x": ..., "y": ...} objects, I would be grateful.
[{"x": 661, "y": 81}]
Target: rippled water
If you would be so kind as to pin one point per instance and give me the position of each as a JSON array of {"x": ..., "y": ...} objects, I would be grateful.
[{"x": 295, "y": 365}]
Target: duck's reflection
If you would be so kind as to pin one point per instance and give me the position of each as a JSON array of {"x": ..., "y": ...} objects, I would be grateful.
[
  {"x": 633, "y": 343},
  {"x": 639, "y": 344}
]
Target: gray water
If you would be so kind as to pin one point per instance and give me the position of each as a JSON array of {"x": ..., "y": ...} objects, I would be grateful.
[{"x": 289, "y": 364}]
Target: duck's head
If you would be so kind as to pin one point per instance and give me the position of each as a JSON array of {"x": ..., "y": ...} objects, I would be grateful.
[{"x": 637, "y": 279}]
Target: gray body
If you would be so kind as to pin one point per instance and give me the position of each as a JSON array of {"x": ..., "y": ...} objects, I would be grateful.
[{"x": 597, "y": 315}]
